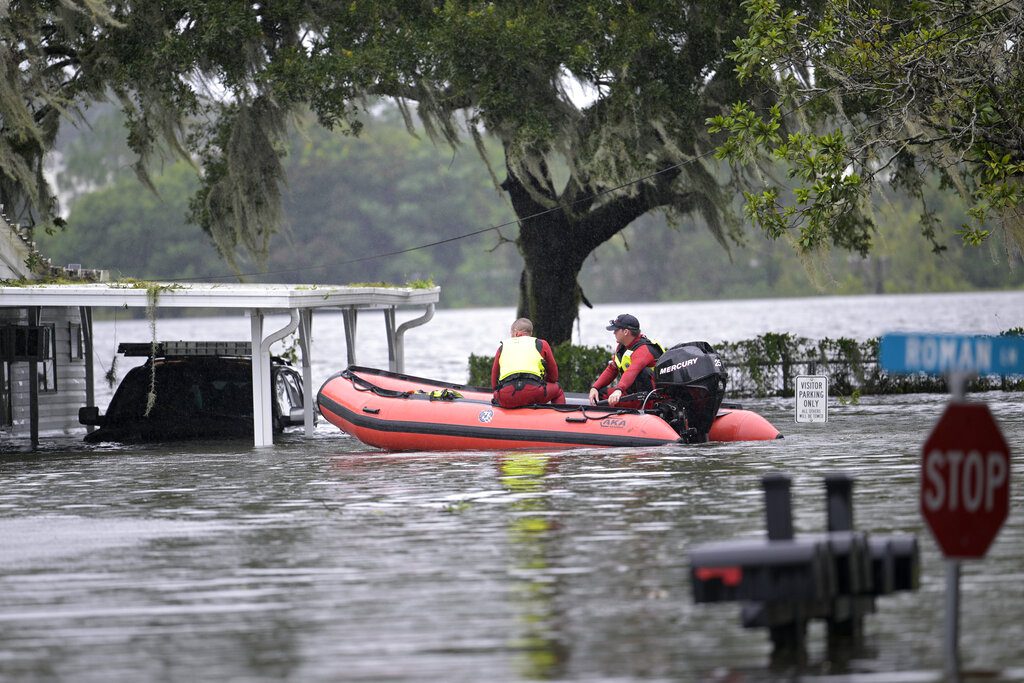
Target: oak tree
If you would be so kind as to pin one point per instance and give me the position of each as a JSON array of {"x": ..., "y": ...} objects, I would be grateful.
[{"x": 220, "y": 81}]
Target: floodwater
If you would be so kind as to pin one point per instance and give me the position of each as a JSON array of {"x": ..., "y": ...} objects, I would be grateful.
[{"x": 325, "y": 560}]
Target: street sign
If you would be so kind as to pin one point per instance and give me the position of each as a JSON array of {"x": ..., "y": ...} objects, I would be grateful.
[
  {"x": 965, "y": 480},
  {"x": 811, "y": 398},
  {"x": 942, "y": 353}
]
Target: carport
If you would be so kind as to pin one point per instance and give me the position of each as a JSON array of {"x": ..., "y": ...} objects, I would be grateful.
[{"x": 258, "y": 300}]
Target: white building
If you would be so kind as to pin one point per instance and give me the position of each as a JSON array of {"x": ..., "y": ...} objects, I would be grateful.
[{"x": 47, "y": 344}]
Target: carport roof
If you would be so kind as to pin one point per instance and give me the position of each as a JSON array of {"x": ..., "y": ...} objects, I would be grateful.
[{"x": 211, "y": 295}]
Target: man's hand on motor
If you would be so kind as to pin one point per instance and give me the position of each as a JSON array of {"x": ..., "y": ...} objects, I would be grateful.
[
  {"x": 594, "y": 396},
  {"x": 613, "y": 398}
]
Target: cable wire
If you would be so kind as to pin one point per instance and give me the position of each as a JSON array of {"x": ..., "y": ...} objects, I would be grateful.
[{"x": 448, "y": 240}]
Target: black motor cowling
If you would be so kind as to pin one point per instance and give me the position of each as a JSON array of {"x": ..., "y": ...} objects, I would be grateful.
[{"x": 692, "y": 377}]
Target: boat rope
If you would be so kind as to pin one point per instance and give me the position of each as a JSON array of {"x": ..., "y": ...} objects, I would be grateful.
[
  {"x": 582, "y": 409},
  {"x": 603, "y": 416},
  {"x": 361, "y": 384}
]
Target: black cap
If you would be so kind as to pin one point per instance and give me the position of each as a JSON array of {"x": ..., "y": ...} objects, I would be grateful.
[{"x": 625, "y": 322}]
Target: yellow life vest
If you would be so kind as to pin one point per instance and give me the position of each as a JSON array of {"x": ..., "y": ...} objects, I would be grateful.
[
  {"x": 622, "y": 362},
  {"x": 520, "y": 356}
]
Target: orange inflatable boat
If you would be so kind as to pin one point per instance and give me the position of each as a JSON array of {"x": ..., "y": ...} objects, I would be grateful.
[{"x": 402, "y": 413}]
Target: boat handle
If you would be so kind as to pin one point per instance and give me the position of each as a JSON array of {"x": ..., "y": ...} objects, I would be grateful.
[
  {"x": 573, "y": 418},
  {"x": 371, "y": 411}
]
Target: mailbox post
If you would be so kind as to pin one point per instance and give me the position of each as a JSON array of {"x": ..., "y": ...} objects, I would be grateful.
[{"x": 785, "y": 580}]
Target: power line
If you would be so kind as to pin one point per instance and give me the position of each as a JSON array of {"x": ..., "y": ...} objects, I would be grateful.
[{"x": 474, "y": 233}]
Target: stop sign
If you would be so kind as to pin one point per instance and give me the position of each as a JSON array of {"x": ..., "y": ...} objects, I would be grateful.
[{"x": 965, "y": 480}]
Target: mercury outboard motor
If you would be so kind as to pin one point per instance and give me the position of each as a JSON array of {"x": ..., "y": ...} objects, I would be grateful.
[{"x": 691, "y": 376}]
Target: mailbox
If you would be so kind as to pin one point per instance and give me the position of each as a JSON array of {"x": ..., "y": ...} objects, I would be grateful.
[
  {"x": 895, "y": 563},
  {"x": 762, "y": 570},
  {"x": 784, "y": 580}
]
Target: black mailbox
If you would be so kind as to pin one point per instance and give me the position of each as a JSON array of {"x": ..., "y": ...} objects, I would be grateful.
[
  {"x": 851, "y": 557},
  {"x": 783, "y": 581},
  {"x": 895, "y": 563},
  {"x": 762, "y": 570}
]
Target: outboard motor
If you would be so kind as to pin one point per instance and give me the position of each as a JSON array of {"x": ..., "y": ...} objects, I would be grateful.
[{"x": 691, "y": 376}]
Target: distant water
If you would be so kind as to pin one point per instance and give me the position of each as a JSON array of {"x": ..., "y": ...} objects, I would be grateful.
[{"x": 440, "y": 348}]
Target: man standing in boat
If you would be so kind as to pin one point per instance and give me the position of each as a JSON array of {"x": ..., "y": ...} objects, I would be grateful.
[
  {"x": 632, "y": 363},
  {"x": 524, "y": 370}
]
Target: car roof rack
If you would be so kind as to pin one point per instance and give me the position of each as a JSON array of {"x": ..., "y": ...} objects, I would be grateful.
[{"x": 167, "y": 349}]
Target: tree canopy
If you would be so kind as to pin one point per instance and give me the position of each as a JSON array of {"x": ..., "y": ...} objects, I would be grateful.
[
  {"x": 219, "y": 82},
  {"x": 867, "y": 93},
  {"x": 390, "y": 178}
]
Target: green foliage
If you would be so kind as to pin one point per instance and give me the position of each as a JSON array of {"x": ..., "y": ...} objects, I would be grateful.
[
  {"x": 480, "y": 370},
  {"x": 226, "y": 86},
  {"x": 439, "y": 195},
  {"x": 400, "y": 190},
  {"x": 767, "y": 362},
  {"x": 388, "y": 192},
  {"x": 866, "y": 94},
  {"x": 852, "y": 400},
  {"x": 579, "y": 366},
  {"x": 136, "y": 233},
  {"x": 767, "y": 365},
  {"x": 415, "y": 284},
  {"x": 221, "y": 84}
]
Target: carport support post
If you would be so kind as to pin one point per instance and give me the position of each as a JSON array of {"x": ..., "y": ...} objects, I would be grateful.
[
  {"x": 400, "y": 336},
  {"x": 350, "y": 316},
  {"x": 85, "y": 314},
  {"x": 305, "y": 339},
  {"x": 33, "y": 386},
  {"x": 389, "y": 332},
  {"x": 263, "y": 434}
]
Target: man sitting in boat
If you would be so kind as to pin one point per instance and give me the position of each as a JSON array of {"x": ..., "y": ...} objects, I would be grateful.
[
  {"x": 524, "y": 370},
  {"x": 632, "y": 363}
]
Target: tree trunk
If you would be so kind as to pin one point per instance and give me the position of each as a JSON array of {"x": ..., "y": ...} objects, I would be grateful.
[
  {"x": 555, "y": 242},
  {"x": 549, "y": 294},
  {"x": 553, "y": 252}
]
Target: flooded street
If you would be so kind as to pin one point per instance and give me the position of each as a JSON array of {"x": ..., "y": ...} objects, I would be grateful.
[{"x": 323, "y": 560}]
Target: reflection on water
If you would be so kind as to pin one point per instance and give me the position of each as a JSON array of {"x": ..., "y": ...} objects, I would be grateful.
[
  {"x": 323, "y": 560},
  {"x": 530, "y": 537}
]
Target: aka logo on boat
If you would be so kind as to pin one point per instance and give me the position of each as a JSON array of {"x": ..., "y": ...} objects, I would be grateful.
[
  {"x": 614, "y": 422},
  {"x": 486, "y": 415}
]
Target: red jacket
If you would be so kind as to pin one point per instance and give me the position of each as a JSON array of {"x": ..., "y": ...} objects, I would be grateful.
[
  {"x": 550, "y": 366},
  {"x": 641, "y": 358}
]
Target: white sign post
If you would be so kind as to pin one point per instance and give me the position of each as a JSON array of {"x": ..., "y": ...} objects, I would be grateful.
[{"x": 812, "y": 398}]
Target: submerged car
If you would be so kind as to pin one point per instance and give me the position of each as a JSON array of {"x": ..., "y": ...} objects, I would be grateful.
[{"x": 203, "y": 390}]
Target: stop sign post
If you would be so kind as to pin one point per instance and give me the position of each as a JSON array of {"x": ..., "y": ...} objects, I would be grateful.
[
  {"x": 965, "y": 480},
  {"x": 965, "y": 462},
  {"x": 965, "y": 495}
]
